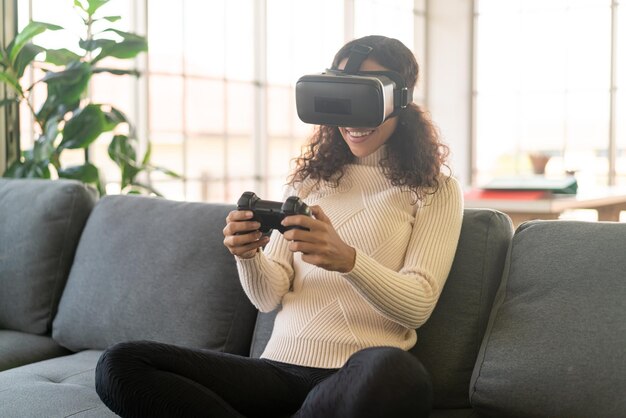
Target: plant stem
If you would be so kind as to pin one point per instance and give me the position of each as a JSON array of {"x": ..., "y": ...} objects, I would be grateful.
[
  {"x": 55, "y": 160},
  {"x": 32, "y": 110},
  {"x": 88, "y": 59}
]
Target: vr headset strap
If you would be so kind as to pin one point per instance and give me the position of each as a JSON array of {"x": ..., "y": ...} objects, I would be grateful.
[
  {"x": 358, "y": 53},
  {"x": 402, "y": 96}
]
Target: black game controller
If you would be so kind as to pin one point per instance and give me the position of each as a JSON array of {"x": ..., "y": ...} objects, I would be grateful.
[{"x": 269, "y": 214}]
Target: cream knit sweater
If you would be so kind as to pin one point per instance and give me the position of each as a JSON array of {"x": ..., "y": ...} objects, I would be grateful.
[{"x": 404, "y": 252}]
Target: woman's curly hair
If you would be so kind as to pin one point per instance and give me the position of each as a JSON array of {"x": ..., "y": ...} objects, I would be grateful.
[{"x": 415, "y": 154}]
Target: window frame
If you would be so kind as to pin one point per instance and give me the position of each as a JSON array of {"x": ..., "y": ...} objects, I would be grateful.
[{"x": 9, "y": 114}]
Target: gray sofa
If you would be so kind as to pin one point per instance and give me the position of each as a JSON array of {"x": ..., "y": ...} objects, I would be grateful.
[{"x": 528, "y": 325}]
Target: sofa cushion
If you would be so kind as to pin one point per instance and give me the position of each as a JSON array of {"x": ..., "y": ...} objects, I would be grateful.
[
  {"x": 40, "y": 223},
  {"x": 448, "y": 343},
  {"x": 60, "y": 387},
  {"x": 153, "y": 269},
  {"x": 19, "y": 348},
  {"x": 555, "y": 342}
]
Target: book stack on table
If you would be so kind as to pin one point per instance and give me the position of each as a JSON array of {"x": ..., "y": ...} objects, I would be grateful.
[{"x": 525, "y": 188}]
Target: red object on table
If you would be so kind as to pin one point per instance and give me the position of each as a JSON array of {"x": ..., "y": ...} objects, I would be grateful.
[{"x": 476, "y": 194}]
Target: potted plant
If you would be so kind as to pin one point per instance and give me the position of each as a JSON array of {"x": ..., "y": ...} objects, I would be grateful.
[{"x": 68, "y": 119}]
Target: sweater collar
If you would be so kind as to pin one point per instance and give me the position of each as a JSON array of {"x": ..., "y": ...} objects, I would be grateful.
[{"x": 373, "y": 159}]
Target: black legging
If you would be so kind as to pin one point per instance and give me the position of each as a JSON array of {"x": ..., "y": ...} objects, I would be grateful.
[{"x": 149, "y": 379}]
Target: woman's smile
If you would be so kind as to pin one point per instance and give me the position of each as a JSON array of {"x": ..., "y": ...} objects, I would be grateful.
[
  {"x": 358, "y": 135},
  {"x": 364, "y": 141}
]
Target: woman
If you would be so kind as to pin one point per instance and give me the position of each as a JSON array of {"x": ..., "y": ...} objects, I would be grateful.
[{"x": 353, "y": 286}]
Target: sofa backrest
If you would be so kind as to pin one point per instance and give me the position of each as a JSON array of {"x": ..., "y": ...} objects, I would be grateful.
[
  {"x": 40, "y": 224},
  {"x": 555, "y": 345},
  {"x": 154, "y": 269},
  {"x": 449, "y": 341}
]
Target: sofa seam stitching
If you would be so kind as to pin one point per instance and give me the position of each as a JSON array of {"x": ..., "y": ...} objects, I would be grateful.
[
  {"x": 84, "y": 410},
  {"x": 76, "y": 374}
]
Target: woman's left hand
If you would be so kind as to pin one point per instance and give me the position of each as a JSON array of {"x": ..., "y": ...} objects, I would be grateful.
[{"x": 320, "y": 245}]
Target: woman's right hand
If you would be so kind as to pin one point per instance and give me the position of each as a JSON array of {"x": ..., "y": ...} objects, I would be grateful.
[{"x": 247, "y": 244}]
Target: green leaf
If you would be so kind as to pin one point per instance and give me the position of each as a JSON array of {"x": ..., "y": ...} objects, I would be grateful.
[
  {"x": 130, "y": 46},
  {"x": 123, "y": 50},
  {"x": 113, "y": 118},
  {"x": 87, "y": 173},
  {"x": 112, "y": 18},
  {"x": 167, "y": 172},
  {"x": 124, "y": 35},
  {"x": 43, "y": 148},
  {"x": 4, "y": 57},
  {"x": 118, "y": 115},
  {"x": 14, "y": 171},
  {"x": 116, "y": 71},
  {"x": 147, "y": 155},
  {"x": 79, "y": 4},
  {"x": 65, "y": 89},
  {"x": 94, "y": 5},
  {"x": 27, "y": 154},
  {"x": 51, "y": 130},
  {"x": 29, "y": 169},
  {"x": 69, "y": 74},
  {"x": 122, "y": 150},
  {"x": 83, "y": 128},
  {"x": 61, "y": 56},
  {"x": 29, "y": 32},
  {"x": 25, "y": 57},
  {"x": 93, "y": 44},
  {"x": 11, "y": 81},
  {"x": 54, "y": 112}
]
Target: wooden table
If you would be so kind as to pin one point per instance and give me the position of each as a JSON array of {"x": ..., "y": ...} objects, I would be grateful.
[{"x": 525, "y": 206}]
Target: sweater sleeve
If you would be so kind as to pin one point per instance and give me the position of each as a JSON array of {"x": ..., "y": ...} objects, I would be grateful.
[
  {"x": 409, "y": 296},
  {"x": 268, "y": 276}
]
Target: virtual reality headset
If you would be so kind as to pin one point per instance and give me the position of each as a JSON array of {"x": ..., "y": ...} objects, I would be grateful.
[{"x": 351, "y": 98}]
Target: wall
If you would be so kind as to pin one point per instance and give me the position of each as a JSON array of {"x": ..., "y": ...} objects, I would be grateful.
[{"x": 449, "y": 74}]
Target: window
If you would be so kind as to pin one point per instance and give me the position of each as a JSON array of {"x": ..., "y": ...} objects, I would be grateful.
[
  {"x": 401, "y": 19},
  {"x": 216, "y": 97},
  {"x": 547, "y": 82},
  {"x": 295, "y": 46}
]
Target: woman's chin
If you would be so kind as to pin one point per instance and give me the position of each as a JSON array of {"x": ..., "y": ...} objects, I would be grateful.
[{"x": 360, "y": 151}]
